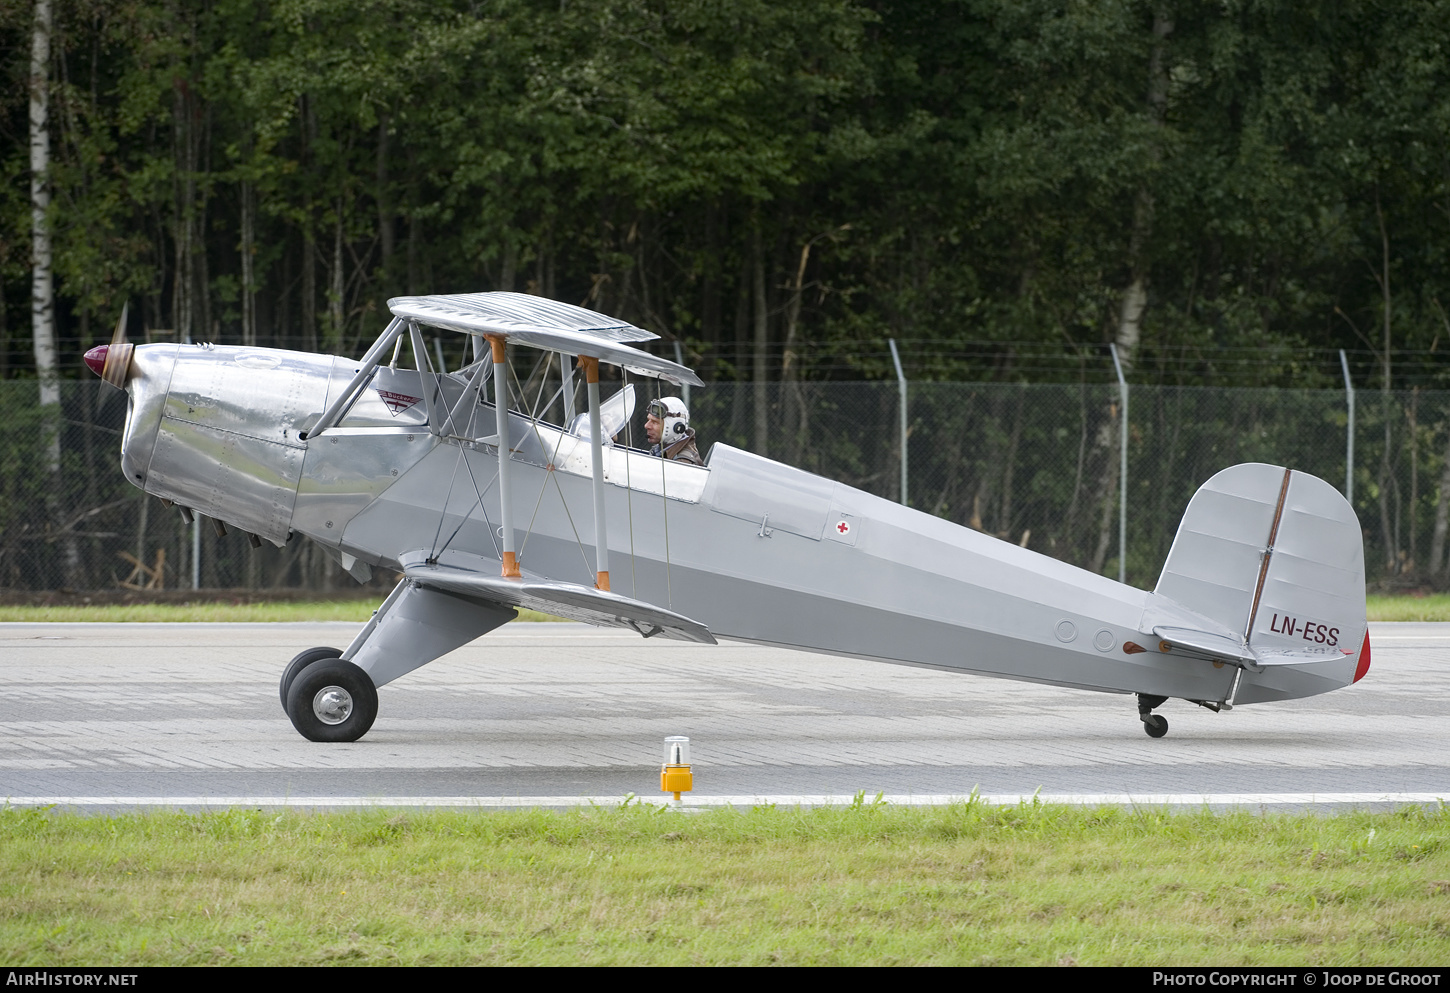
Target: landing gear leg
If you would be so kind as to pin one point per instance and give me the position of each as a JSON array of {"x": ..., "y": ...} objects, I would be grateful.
[{"x": 1154, "y": 724}]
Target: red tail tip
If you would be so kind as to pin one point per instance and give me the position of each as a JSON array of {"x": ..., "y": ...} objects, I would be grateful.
[{"x": 1363, "y": 666}]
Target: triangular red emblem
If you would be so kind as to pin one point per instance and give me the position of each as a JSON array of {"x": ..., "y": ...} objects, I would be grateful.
[{"x": 397, "y": 402}]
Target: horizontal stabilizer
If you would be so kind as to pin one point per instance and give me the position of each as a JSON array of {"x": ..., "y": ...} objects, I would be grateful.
[
  {"x": 1236, "y": 652},
  {"x": 1292, "y": 656},
  {"x": 578, "y": 603},
  {"x": 1204, "y": 641}
]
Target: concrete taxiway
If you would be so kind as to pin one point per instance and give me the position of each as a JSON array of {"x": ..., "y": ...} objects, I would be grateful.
[{"x": 112, "y": 715}]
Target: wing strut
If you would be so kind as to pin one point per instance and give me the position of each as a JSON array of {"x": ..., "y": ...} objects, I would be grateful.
[
  {"x": 421, "y": 360},
  {"x": 596, "y": 452},
  {"x": 501, "y": 417},
  {"x": 566, "y": 372},
  {"x": 369, "y": 362}
]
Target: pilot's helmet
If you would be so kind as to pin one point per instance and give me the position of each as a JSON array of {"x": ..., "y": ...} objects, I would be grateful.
[{"x": 674, "y": 418}]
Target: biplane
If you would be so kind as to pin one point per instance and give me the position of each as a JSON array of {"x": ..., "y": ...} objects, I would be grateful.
[{"x": 483, "y": 504}]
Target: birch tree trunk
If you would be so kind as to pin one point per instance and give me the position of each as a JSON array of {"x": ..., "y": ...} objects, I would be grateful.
[
  {"x": 1107, "y": 432},
  {"x": 1135, "y": 295},
  {"x": 795, "y": 415},
  {"x": 42, "y": 285}
]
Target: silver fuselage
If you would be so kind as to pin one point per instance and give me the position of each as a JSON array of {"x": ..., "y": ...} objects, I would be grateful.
[{"x": 755, "y": 550}]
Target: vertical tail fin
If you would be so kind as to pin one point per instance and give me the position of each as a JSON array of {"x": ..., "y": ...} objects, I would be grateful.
[{"x": 1276, "y": 556}]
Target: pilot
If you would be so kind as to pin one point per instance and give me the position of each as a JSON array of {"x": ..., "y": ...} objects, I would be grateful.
[{"x": 667, "y": 426}]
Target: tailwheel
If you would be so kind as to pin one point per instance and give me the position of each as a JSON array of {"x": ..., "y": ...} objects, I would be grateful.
[
  {"x": 332, "y": 700},
  {"x": 302, "y": 661},
  {"x": 1155, "y": 725}
]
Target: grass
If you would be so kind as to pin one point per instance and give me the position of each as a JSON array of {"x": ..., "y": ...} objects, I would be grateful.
[
  {"x": 968, "y": 884},
  {"x": 1433, "y": 607},
  {"x": 1430, "y": 607}
]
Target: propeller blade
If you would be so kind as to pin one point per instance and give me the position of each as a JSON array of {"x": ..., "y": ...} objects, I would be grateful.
[{"x": 120, "y": 336}]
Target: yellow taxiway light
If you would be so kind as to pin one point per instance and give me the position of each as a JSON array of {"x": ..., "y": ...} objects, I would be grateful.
[{"x": 675, "y": 775}]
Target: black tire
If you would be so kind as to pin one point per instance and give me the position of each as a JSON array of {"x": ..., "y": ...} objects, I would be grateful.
[
  {"x": 1156, "y": 725},
  {"x": 302, "y": 661},
  {"x": 332, "y": 700}
]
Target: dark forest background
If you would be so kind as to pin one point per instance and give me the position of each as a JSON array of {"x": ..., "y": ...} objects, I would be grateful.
[{"x": 1229, "y": 192}]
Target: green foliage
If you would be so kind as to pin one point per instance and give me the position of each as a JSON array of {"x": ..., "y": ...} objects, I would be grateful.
[
  {"x": 981, "y": 180},
  {"x": 945, "y": 173}
]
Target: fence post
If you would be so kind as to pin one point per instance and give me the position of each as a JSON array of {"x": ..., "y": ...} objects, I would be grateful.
[
  {"x": 1349, "y": 444},
  {"x": 901, "y": 384},
  {"x": 1122, "y": 471}
]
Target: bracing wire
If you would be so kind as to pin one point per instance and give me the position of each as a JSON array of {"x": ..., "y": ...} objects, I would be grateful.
[
  {"x": 478, "y": 502},
  {"x": 477, "y": 493},
  {"x": 549, "y": 473},
  {"x": 443, "y": 510}
]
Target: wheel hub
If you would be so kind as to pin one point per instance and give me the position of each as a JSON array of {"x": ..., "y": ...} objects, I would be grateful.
[{"x": 332, "y": 705}]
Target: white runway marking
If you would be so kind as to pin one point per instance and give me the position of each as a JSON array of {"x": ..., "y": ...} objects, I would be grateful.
[
  {"x": 1375, "y": 639},
  {"x": 823, "y": 800}
]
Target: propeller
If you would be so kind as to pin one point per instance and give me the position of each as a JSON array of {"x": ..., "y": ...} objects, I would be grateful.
[{"x": 113, "y": 362}]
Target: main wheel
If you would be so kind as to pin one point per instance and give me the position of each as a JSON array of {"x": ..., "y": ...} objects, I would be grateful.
[
  {"x": 302, "y": 661},
  {"x": 332, "y": 700},
  {"x": 1156, "y": 725}
]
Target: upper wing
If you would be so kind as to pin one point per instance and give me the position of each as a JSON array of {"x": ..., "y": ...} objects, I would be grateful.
[
  {"x": 571, "y": 600},
  {"x": 543, "y": 323}
]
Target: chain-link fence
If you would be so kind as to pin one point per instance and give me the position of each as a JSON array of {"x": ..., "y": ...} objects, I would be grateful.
[{"x": 1036, "y": 465}]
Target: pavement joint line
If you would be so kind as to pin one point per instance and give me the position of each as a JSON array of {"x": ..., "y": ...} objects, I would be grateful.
[{"x": 745, "y": 800}]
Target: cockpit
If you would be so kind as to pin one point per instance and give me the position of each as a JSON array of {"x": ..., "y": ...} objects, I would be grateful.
[{"x": 414, "y": 379}]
